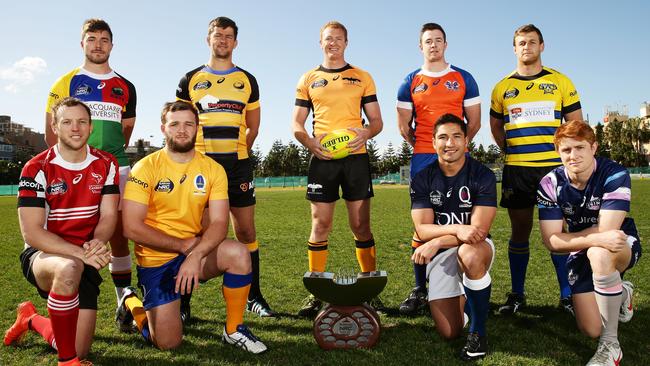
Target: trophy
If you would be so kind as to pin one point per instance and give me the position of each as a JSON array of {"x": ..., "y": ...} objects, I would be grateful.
[{"x": 346, "y": 320}]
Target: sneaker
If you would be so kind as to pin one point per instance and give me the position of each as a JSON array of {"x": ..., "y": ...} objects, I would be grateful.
[
  {"x": 566, "y": 304},
  {"x": 513, "y": 303},
  {"x": 311, "y": 306},
  {"x": 627, "y": 307},
  {"x": 415, "y": 302},
  {"x": 607, "y": 354},
  {"x": 123, "y": 317},
  {"x": 377, "y": 304},
  {"x": 186, "y": 310},
  {"x": 24, "y": 313},
  {"x": 244, "y": 338},
  {"x": 476, "y": 347},
  {"x": 260, "y": 307}
]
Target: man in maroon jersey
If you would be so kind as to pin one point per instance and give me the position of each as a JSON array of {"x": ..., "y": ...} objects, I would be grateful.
[{"x": 67, "y": 208}]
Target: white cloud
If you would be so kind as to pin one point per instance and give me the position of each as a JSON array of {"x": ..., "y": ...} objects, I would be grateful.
[{"x": 23, "y": 72}]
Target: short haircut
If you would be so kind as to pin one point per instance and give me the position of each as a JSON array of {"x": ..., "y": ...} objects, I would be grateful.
[
  {"x": 68, "y": 102},
  {"x": 95, "y": 25},
  {"x": 528, "y": 28},
  {"x": 450, "y": 118},
  {"x": 179, "y": 105},
  {"x": 433, "y": 26},
  {"x": 222, "y": 22},
  {"x": 578, "y": 130},
  {"x": 336, "y": 25}
]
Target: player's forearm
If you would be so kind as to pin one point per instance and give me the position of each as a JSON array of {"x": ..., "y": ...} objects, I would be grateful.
[
  {"x": 300, "y": 133},
  {"x": 570, "y": 242},
  {"x": 447, "y": 241},
  {"x": 375, "y": 125},
  {"x": 428, "y": 232},
  {"x": 151, "y": 237},
  {"x": 105, "y": 227},
  {"x": 50, "y": 243},
  {"x": 251, "y": 135},
  {"x": 211, "y": 239},
  {"x": 498, "y": 133}
]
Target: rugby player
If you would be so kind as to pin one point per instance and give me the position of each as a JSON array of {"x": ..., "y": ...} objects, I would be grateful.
[
  {"x": 227, "y": 98},
  {"x": 336, "y": 92},
  {"x": 453, "y": 205},
  {"x": 427, "y": 93},
  {"x": 67, "y": 208},
  {"x": 163, "y": 209},
  {"x": 591, "y": 196},
  {"x": 112, "y": 101},
  {"x": 527, "y": 106}
]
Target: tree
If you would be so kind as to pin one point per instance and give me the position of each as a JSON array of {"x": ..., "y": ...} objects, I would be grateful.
[
  {"x": 373, "y": 156},
  {"x": 405, "y": 153},
  {"x": 494, "y": 155},
  {"x": 291, "y": 160},
  {"x": 389, "y": 161},
  {"x": 272, "y": 165},
  {"x": 480, "y": 154},
  {"x": 601, "y": 139},
  {"x": 305, "y": 156},
  {"x": 636, "y": 133},
  {"x": 256, "y": 160}
]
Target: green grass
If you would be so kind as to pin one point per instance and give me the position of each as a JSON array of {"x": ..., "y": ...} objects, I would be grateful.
[{"x": 541, "y": 335}]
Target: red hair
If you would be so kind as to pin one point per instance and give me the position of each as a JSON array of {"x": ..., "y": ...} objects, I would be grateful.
[{"x": 579, "y": 130}]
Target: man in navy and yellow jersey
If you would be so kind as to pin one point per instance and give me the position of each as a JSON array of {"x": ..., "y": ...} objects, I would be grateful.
[
  {"x": 336, "y": 92},
  {"x": 435, "y": 89},
  {"x": 163, "y": 212},
  {"x": 527, "y": 107},
  {"x": 112, "y": 101},
  {"x": 227, "y": 98}
]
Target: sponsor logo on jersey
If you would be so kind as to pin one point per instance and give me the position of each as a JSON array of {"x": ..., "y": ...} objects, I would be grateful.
[
  {"x": 83, "y": 89},
  {"x": 135, "y": 180},
  {"x": 53, "y": 95},
  {"x": 98, "y": 177},
  {"x": 452, "y": 218},
  {"x": 420, "y": 88},
  {"x": 336, "y": 77},
  {"x": 548, "y": 88},
  {"x": 436, "y": 82},
  {"x": 101, "y": 85},
  {"x": 465, "y": 197},
  {"x": 221, "y": 80},
  {"x": 57, "y": 187},
  {"x": 105, "y": 111},
  {"x": 352, "y": 81},
  {"x": 77, "y": 178},
  {"x": 568, "y": 209},
  {"x": 210, "y": 103},
  {"x": 593, "y": 204},
  {"x": 573, "y": 93},
  {"x": 314, "y": 188},
  {"x": 29, "y": 184},
  {"x": 512, "y": 93},
  {"x": 183, "y": 178},
  {"x": 238, "y": 85},
  {"x": 117, "y": 92},
  {"x": 199, "y": 184},
  {"x": 532, "y": 112},
  {"x": 202, "y": 85},
  {"x": 530, "y": 86},
  {"x": 452, "y": 85},
  {"x": 435, "y": 198},
  {"x": 164, "y": 185},
  {"x": 321, "y": 83}
]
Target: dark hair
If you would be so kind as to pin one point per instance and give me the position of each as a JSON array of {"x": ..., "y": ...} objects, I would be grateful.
[
  {"x": 95, "y": 25},
  {"x": 528, "y": 28},
  {"x": 69, "y": 102},
  {"x": 179, "y": 105},
  {"x": 450, "y": 118},
  {"x": 433, "y": 26},
  {"x": 222, "y": 22}
]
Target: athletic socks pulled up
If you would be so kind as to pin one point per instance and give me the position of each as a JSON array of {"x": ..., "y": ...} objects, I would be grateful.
[
  {"x": 235, "y": 293},
  {"x": 609, "y": 296},
  {"x": 518, "y": 255},
  {"x": 366, "y": 254},
  {"x": 478, "y": 301},
  {"x": 317, "y": 253},
  {"x": 64, "y": 312}
]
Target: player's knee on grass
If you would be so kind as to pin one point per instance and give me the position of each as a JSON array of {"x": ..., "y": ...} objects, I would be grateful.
[
  {"x": 167, "y": 341},
  {"x": 67, "y": 275},
  {"x": 473, "y": 260},
  {"x": 601, "y": 260}
]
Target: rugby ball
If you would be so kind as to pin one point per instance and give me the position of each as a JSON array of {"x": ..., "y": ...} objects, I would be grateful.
[{"x": 336, "y": 142}]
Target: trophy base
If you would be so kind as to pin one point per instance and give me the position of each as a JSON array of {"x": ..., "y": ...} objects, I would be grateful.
[{"x": 344, "y": 327}]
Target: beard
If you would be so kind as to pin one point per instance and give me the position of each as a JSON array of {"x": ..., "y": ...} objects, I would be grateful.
[
  {"x": 97, "y": 58},
  {"x": 178, "y": 147}
]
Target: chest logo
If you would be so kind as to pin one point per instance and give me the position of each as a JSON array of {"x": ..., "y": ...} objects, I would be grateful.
[
  {"x": 202, "y": 85},
  {"x": 512, "y": 93},
  {"x": 101, "y": 85},
  {"x": 77, "y": 178},
  {"x": 465, "y": 197},
  {"x": 221, "y": 80},
  {"x": 548, "y": 88},
  {"x": 530, "y": 86},
  {"x": 199, "y": 184},
  {"x": 336, "y": 77},
  {"x": 435, "y": 198},
  {"x": 239, "y": 85},
  {"x": 420, "y": 88},
  {"x": 452, "y": 85},
  {"x": 321, "y": 83},
  {"x": 352, "y": 81},
  {"x": 83, "y": 89},
  {"x": 164, "y": 185},
  {"x": 56, "y": 187}
]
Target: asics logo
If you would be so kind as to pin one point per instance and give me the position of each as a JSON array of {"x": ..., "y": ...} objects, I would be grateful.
[{"x": 77, "y": 178}]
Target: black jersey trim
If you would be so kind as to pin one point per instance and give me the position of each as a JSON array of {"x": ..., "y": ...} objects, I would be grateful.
[
  {"x": 31, "y": 202},
  {"x": 530, "y": 77},
  {"x": 303, "y": 103},
  {"x": 368, "y": 99},
  {"x": 325, "y": 69},
  {"x": 111, "y": 189},
  {"x": 571, "y": 108}
]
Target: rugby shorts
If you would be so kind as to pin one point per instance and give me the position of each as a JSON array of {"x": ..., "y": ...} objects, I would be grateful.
[
  {"x": 519, "y": 185},
  {"x": 158, "y": 283},
  {"x": 241, "y": 188},
  {"x": 351, "y": 173}
]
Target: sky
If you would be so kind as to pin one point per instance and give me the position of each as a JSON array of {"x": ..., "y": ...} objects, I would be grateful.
[{"x": 604, "y": 47}]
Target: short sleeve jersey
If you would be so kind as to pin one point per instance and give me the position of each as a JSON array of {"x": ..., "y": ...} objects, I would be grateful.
[
  {"x": 607, "y": 189},
  {"x": 335, "y": 97},
  {"x": 110, "y": 97},
  {"x": 532, "y": 108},
  {"x": 71, "y": 193},
  {"x": 452, "y": 198},
  {"x": 176, "y": 195},
  {"x": 222, "y": 99},
  {"x": 430, "y": 95}
]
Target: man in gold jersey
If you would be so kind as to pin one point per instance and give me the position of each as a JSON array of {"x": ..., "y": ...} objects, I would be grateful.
[
  {"x": 227, "y": 98},
  {"x": 163, "y": 212},
  {"x": 527, "y": 107},
  {"x": 336, "y": 91}
]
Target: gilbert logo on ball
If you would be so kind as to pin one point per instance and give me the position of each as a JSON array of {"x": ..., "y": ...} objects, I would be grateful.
[{"x": 336, "y": 143}]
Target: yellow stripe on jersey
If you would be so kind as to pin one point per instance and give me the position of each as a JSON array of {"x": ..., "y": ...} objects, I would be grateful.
[
  {"x": 523, "y": 158},
  {"x": 543, "y": 139},
  {"x": 514, "y": 126}
]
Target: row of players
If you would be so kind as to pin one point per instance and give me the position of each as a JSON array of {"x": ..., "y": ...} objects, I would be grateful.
[{"x": 527, "y": 107}]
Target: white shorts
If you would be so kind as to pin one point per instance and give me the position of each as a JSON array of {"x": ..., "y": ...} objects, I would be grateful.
[
  {"x": 444, "y": 275},
  {"x": 124, "y": 175}
]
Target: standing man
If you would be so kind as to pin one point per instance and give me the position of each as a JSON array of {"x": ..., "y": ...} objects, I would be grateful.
[
  {"x": 592, "y": 197},
  {"x": 67, "y": 208},
  {"x": 112, "y": 101},
  {"x": 227, "y": 98},
  {"x": 527, "y": 107},
  {"x": 453, "y": 205},
  {"x": 426, "y": 94},
  {"x": 163, "y": 214},
  {"x": 336, "y": 92}
]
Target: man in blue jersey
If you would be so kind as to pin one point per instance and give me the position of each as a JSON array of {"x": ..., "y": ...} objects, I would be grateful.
[
  {"x": 592, "y": 197},
  {"x": 453, "y": 205}
]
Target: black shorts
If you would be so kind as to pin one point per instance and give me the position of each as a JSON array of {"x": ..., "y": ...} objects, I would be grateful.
[
  {"x": 88, "y": 286},
  {"x": 519, "y": 185},
  {"x": 351, "y": 173},
  {"x": 241, "y": 189}
]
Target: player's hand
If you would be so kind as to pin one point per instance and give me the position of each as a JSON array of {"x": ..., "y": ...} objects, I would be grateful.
[
  {"x": 189, "y": 244},
  {"x": 315, "y": 147},
  {"x": 187, "y": 279},
  {"x": 612, "y": 240},
  {"x": 359, "y": 141},
  {"x": 96, "y": 254},
  {"x": 424, "y": 253},
  {"x": 470, "y": 234}
]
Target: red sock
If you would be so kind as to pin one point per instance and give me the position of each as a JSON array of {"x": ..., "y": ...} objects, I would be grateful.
[
  {"x": 64, "y": 311},
  {"x": 43, "y": 326}
]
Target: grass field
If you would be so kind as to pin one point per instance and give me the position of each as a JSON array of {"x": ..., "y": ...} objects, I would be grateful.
[{"x": 540, "y": 335}]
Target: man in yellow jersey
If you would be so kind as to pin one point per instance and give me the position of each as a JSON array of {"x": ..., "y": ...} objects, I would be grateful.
[
  {"x": 527, "y": 107},
  {"x": 112, "y": 101},
  {"x": 227, "y": 98},
  {"x": 163, "y": 209},
  {"x": 336, "y": 92}
]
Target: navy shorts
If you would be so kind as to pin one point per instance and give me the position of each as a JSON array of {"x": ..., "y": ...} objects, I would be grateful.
[{"x": 158, "y": 283}]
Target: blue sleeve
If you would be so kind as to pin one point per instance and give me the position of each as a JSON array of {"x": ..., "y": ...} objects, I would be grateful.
[
  {"x": 471, "y": 87},
  {"x": 618, "y": 193},
  {"x": 420, "y": 191},
  {"x": 404, "y": 91}
]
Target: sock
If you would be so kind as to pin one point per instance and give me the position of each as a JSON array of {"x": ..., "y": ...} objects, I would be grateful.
[
  {"x": 317, "y": 253},
  {"x": 518, "y": 254},
  {"x": 478, "y": 299},
  {"x": 255, "y": 291},
  {"x": 419, "y": 270},
  {"x": 120, "y": 268},
  {"x": 64, "y": 311},
  {"x": 366, "y": 254},
  {"x": 559, "y": 261},
  {"x": 609, "y": 296},
  {"x": 43, "y": 326},
  {"x": 139, "y": 315},
  {"x": 235, "y": 293}
]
